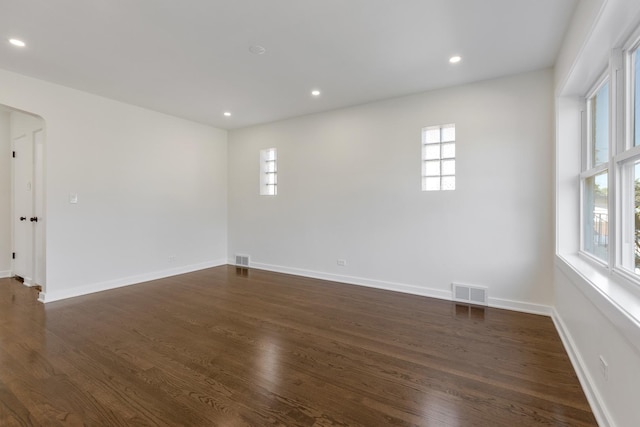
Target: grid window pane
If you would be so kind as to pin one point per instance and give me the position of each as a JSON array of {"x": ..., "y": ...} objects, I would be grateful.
[
  {"x": 431, "y": 151},
  {"x": 270, "y": 166},
  {"x": 432, "y": 135},
  {"x": 448, "y": 151},
  {"x": 448, "y": 182},
  {"x": 271, "y": 179},
  {"x": 448, "y": 167},
  {"x": 600, "y": 126},
  {"x": 432, "y": 168},
  {"x": 432, "y": 183},
  {"x": 448, "y": 133},
  {"x": 596, "y": 216}
]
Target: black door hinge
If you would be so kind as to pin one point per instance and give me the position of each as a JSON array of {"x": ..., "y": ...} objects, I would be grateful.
[
  {"x": 14, "y": 154},
  {"x": 13, "y": 255}
]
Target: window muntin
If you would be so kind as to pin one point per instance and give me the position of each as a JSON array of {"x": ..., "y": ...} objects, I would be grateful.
[
  {"x": 439, "y": 158},
  {"x": 268, "y": 172}
]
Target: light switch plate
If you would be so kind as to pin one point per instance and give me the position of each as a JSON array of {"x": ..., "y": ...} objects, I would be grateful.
[{"x": 73, "y": 198}]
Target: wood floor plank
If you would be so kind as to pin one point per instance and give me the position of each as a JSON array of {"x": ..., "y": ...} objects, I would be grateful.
[
  {"x": 229, "y": 347},
  {"x": 12, "y": 411}
]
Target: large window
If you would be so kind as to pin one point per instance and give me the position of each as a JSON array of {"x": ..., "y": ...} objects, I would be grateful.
[
  {"x": 610, "y": 178},
  {"x": 439, "y": 158}
]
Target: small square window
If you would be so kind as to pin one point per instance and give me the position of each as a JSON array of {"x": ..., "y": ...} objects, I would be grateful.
[
  {"x": 431, "y": 183},
  {"x": 432, "y": 168},
  {"x": 448, "y": 182},
  {"x": 438, "y": 158},
  {"x": 432, "y": 151},
  {"x": 448, "y": 167},
  {"x": 449, "y": 151},
  {"x": 268, "y": 172}
]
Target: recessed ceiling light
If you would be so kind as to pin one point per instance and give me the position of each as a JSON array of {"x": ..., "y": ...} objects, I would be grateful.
[
  {"x": 455, "y": 59},
  {"x": 315, "y": 92},
  {"x": 17, "y": 42},
  {"x": 227, "y": 114},
  {"x": 257, "y": 49}
]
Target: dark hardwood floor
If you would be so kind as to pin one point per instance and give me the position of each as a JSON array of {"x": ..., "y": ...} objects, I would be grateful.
[{"x": 225, "y": 347}]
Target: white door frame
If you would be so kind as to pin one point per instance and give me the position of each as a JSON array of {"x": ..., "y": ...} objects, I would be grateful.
[
  {"x": 36, "y": 256},
  {"x": 22, "y": 207}
]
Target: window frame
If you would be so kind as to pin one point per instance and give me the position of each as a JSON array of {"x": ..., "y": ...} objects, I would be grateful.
[
  {"x": 590, "y": 170},
  {"x": 622, "y": 157}
]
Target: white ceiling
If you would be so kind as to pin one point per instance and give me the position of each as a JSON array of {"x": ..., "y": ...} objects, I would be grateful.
[{"x": 190, "y": 58}]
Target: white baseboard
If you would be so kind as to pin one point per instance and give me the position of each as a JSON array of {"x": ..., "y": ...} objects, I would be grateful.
[
  {"x": 6, "y": 273},
  {"x": 401, "y": 287},
  {"x": 47, "y": 297},
  {"x": 524, "y": 307},
  {"x": 378, "y": 284},
  {"x": 593, "y": 397}
]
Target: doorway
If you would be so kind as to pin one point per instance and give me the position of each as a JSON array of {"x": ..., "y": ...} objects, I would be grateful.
[{"x": 27, "y": 216}]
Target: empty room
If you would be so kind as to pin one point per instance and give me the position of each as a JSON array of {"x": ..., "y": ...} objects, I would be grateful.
[{"x": 320, "y": 213}]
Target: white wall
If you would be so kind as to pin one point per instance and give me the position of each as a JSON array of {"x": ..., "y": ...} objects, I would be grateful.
[
  {"x": 5, "y": 195},
  {"x": 349, "y": 187},
  {"x": 594, "y": 310},
  {"x": 150, "y": 187},
  {"x": 592, "y": 327},
  {"x": 579, "y": 29}
]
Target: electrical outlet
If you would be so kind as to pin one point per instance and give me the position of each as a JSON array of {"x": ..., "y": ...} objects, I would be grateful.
[
  {"x": 342, "y": 262},
  {"x": 172, "y": 258},
  {"x": 604, "y": 368}
]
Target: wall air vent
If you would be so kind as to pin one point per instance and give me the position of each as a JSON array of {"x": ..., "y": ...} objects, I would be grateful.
[
  {"x": 470, "y": 294},
  {"x": 242, "y": 260}
]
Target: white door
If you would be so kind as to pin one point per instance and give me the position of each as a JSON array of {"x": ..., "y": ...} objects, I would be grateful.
[
  {"x": 23, "y": 208},
  {"x": 38, "y": 208}
]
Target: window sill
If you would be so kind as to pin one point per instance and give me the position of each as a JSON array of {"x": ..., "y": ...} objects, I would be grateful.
[{"x": 614, "y": 295}]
